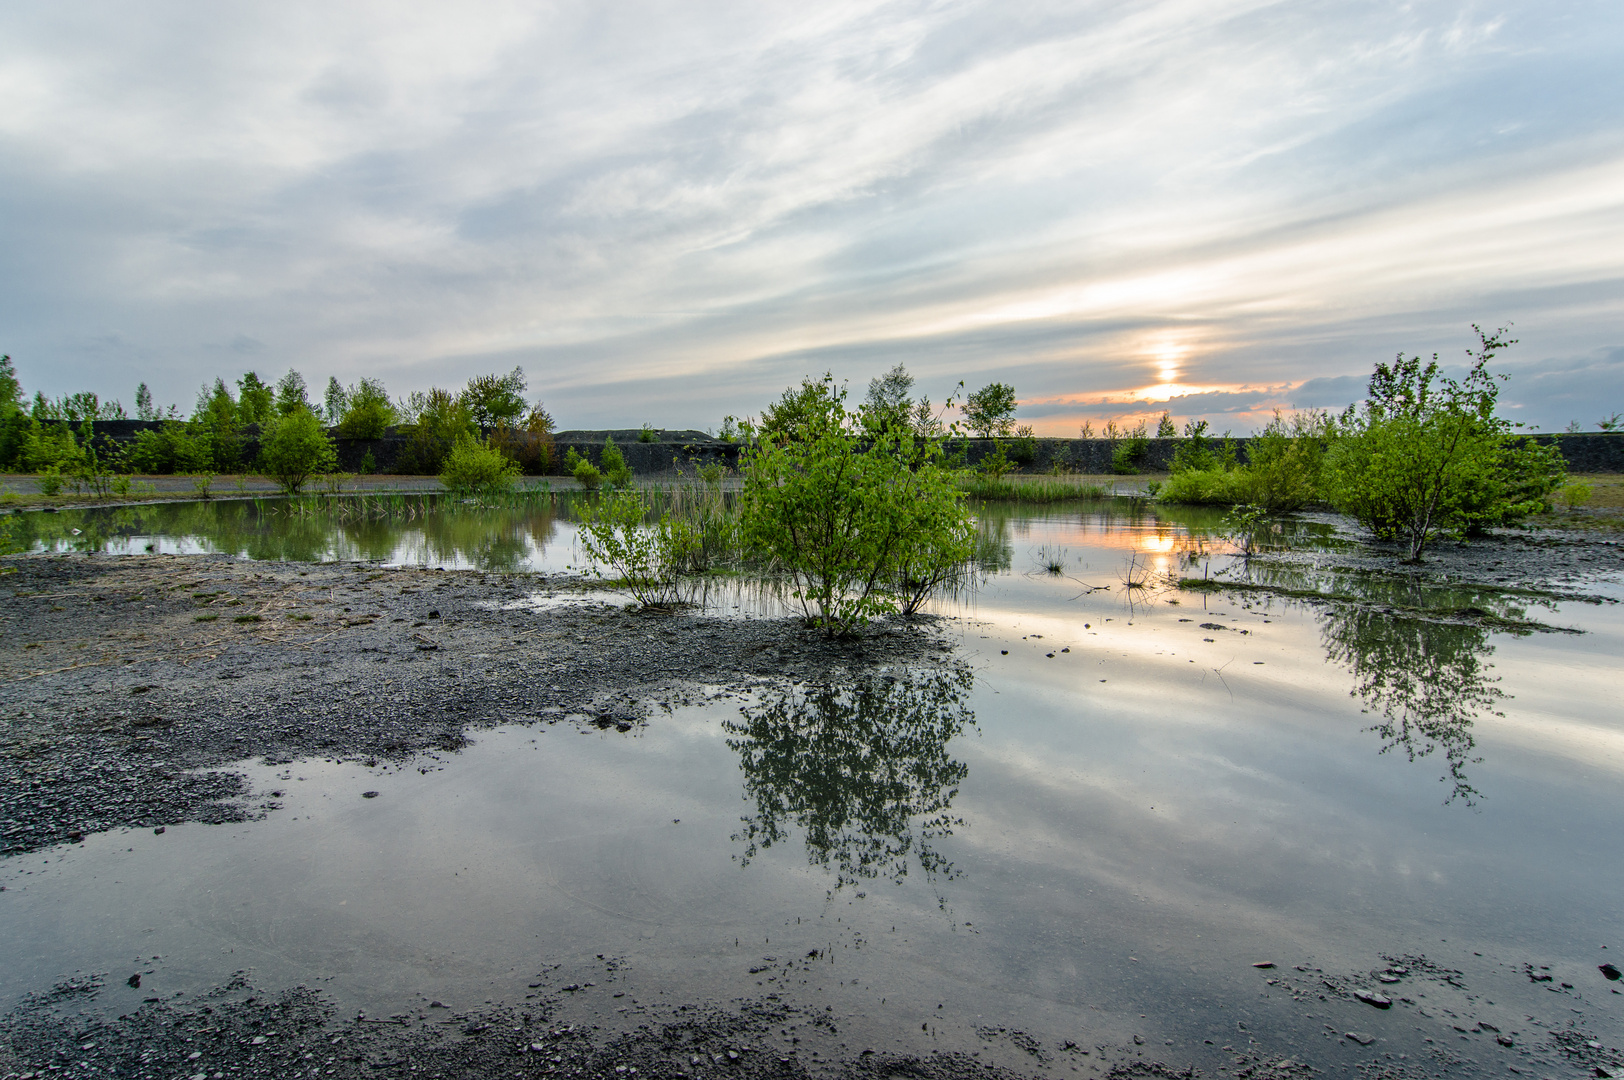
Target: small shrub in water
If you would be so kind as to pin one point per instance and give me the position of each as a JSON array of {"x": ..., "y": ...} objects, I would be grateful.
[{"x": 645, "y": 560}]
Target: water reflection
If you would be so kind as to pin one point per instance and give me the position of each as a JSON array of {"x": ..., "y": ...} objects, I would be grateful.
[
  {"x": 861, "y": 768},
  {"x": 1428, "y": 680},
  {"x": 419, "y": 530}
]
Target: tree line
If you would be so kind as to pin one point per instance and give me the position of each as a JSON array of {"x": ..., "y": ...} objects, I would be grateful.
[{"x": 55, "y": 436}]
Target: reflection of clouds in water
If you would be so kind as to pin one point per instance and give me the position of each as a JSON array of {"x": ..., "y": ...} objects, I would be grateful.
[{"x": 862, "y": 769}]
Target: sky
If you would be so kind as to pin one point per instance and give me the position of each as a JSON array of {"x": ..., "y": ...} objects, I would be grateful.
[{"x": 668, "y": 212}]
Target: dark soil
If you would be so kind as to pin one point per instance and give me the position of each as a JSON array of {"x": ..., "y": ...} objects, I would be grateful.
[{"x": 122, "y": 708}]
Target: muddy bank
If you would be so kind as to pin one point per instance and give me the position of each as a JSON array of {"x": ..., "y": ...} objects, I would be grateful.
[
  {"x": 1406, "y": 1017},
  {"x": 128, "y": 684},
  {"x": 1562, "y": 563}
]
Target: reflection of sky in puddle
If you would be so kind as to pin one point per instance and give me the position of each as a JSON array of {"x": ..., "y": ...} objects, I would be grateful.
[{"x": 1138, "y": 818}]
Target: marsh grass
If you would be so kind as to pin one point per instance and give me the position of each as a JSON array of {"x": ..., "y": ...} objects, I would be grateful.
[{"x": 1031, "y": 489}]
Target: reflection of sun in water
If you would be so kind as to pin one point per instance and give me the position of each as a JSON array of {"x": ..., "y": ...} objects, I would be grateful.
[{"x": 1159, "y": 547}]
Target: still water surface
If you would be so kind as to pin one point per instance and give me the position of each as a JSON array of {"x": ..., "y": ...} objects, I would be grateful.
[{"x": 1091, "y": 829}]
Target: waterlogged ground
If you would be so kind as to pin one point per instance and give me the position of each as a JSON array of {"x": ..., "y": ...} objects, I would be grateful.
[{"x": 1125, "y": 826}]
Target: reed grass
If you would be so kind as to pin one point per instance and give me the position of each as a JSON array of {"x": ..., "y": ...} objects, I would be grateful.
[{"x": 1034, "y": 489}]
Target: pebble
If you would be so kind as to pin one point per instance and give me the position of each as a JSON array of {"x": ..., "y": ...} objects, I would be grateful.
[
  {"x": 1360, "y": 1037},
  {"x": 1370, "y": 997}
]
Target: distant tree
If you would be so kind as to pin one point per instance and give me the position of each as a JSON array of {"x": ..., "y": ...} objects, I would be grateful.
[
  {"x": 990, "y": 411},
  {"x": 1167, "y": 429},
  {"x": 439, "y": 420},
  {"x": 335, "y": 401},
  {"x": 143, "y": 404},
  {"x": 13, "y": 415},
  {"x": 291, "y": 394},
  {"x": 495, "y": 400},
  {"x": 11, "y": 389},
  {"x": 294, "y": 448},
  {"x": 800, "y": 409},
  {"x": 890, "y": 398},
  {"x": 255, "y": 400},
  {"x": 215, "y": 418},
  {"x": 367, "y": 411}
]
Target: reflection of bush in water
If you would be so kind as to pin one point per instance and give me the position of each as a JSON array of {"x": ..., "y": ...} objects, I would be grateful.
[
  {"x": 1429, "y": 681},
  {"x": 862, "y": 768}
]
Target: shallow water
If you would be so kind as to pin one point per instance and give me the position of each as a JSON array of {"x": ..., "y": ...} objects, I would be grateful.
[{"x": 1089, "y": 845}]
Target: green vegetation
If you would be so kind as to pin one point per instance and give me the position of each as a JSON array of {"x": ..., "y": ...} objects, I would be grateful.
[
  {"x": 857, "y": 522},
  {"x": 1036, "y": 489},
  {"x": 615, "y": 469},
  {"x": 293, "y": 448},
  {"x": 990, "y": 411},
  {"x": 229, "y": 427},
  {"x": 646, "y": 562},
  {"x": 1426, "y": 456},
  {"x": 585, "y": 473},
  {"x": 474, "y": 467},
  {"x": 1129, "y": 452}
]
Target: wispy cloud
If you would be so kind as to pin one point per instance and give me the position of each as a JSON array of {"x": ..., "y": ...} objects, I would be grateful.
[{"x": 670, "y": 213}]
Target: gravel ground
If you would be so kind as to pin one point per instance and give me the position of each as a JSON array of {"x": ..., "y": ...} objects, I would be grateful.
[{"x": 128, "y": 685}]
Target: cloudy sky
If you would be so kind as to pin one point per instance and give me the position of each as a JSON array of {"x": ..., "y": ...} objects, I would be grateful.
[{"x": 667, "y": 212}]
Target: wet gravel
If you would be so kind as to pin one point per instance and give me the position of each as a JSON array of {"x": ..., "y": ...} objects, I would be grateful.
[
  {"x": 129, "y": 685},
  {"x": 1564, "y": 562}
]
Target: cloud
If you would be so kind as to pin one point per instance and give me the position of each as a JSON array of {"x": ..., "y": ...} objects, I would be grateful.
[{"x": 677, "y": 212}]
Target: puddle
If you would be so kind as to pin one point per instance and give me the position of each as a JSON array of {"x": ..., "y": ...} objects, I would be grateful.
[{"x": 1127, "y": 797}]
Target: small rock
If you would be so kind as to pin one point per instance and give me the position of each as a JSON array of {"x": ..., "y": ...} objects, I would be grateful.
[
  {"x": 435, "y": 614},
  {"x": 257, "y": 1040},
  {"x": 1370, "y": 997},
  {"x": 134, "y": 981},
  {"x": 1264, "y": 964},
  {"x": 1612, "y": 973},
  {"x": 1360, "y": 1037},
  {"x": 1139, "y": 1040},
  {"x": 159, "y": 831},
  {"x": 1504, "y": 1040},
  {"x": 438, "y": 1005},
  {"x": 733, "y": 1055},
  {"x": 369, "y": 794}
]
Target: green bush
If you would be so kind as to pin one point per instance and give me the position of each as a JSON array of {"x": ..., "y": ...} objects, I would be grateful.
[
  {"x": 1213, "y": 486},
  {"x": 615, "y": 469},
  {"x": 475, "y": 467},
  {"x": 586, "y": 473},
  {"x": 996, "y": 464},
  {"x": 646, "y": 561},
  {"x": 1285, "y": 461},
  {"x": 293, "y": 448},
  {"x": 648, "y": 434},
  {"x": 857, "y": 522},
  {"x": 49, "y": 446},
  {"x": 1129, "y": 454},
  {"x": 173, "y": 448},
  {"x": 1427, "y": 457}
]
